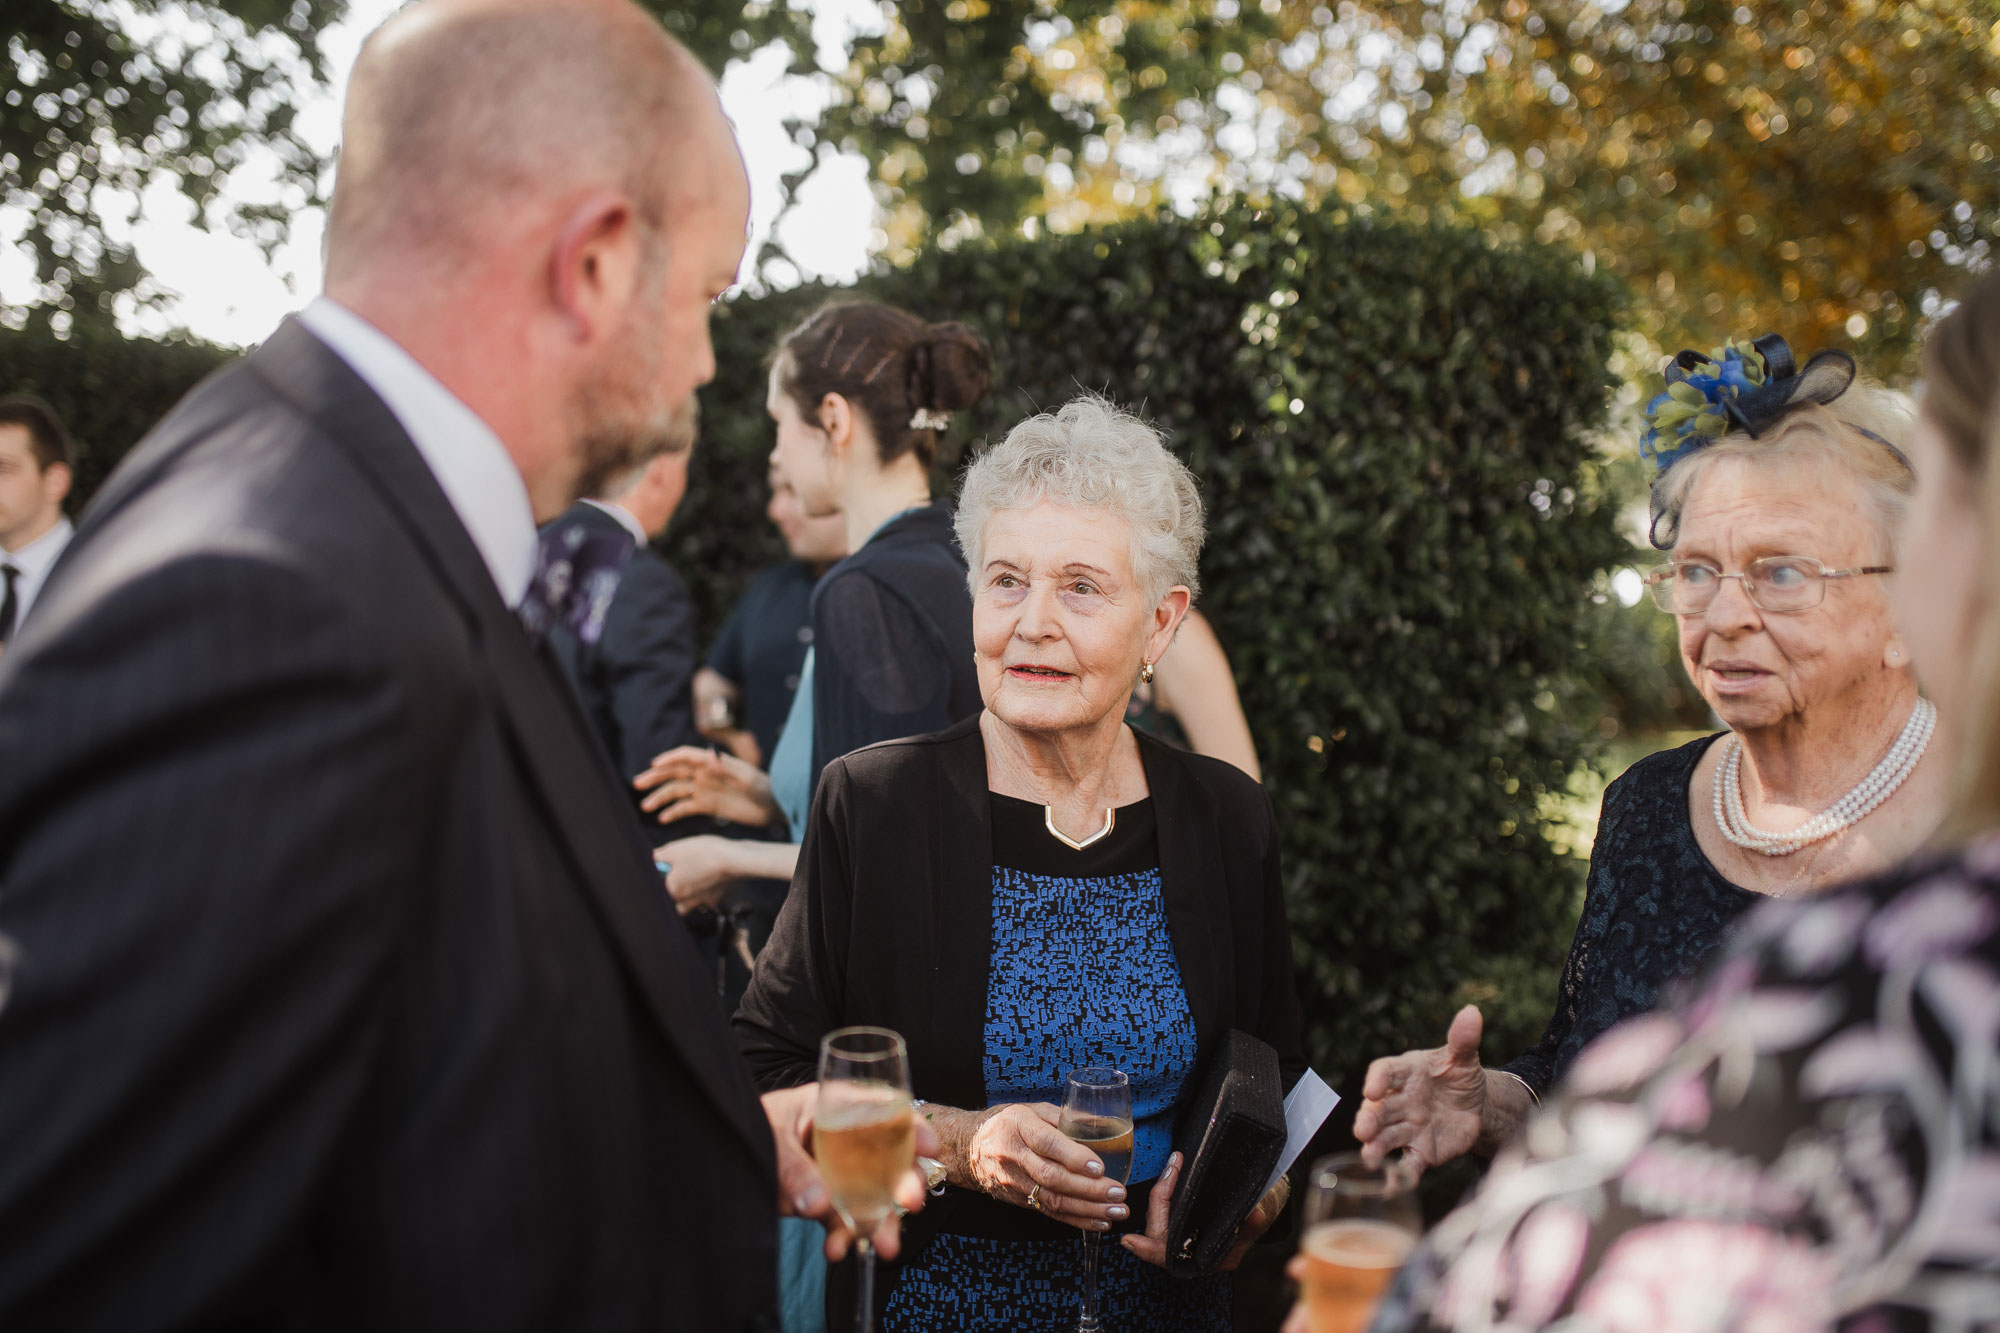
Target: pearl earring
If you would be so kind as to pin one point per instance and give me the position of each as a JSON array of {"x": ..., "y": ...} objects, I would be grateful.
[{"x": 1146, "y": 673}]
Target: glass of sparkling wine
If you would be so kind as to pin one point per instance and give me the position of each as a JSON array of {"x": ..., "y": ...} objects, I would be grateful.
[
  {"x": 1361, "y": 1224},
  {"x": 1097, "y": 1113},
  {"x": 864, "y": 1138}
]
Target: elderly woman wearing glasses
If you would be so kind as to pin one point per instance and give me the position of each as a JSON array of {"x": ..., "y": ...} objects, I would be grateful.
[{"x": 1778, "y": 497}]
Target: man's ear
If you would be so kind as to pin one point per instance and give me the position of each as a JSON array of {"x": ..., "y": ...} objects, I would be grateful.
[
  {"x": 56, "y": 481},
  {"x": 594, "y": 263}
]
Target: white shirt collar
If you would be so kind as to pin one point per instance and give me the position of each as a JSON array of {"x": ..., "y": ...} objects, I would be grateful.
[
  {"x": 624, "y": 517},
  {"x": 470, "y": 463},
  {"x": 34, "y": 560}
]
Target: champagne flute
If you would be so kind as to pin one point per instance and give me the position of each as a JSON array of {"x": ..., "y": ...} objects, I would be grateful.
[
  {"x": 1361, "y": 1224},
  {"x": 1097, "y": 1113},
  {"x": 864, "y": 1138}
]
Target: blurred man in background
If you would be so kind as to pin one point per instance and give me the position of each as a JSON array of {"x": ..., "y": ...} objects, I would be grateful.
[
  {"x": 37, "y": 464},
  {"x": 633, "y": 673}
]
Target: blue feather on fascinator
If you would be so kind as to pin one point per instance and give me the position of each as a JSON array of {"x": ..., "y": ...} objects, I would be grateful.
[{"x": 1743, "y": 385}]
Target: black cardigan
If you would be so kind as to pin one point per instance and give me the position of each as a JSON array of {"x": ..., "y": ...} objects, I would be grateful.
[{"x": 889, "y": 921}]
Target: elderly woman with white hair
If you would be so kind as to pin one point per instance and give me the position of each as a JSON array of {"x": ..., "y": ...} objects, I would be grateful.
[
  {"x": 1039, "y": 889},
  {"x": 1778, "y": 500}
]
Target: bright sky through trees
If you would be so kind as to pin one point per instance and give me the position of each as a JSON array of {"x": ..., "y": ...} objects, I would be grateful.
[{"x": 225, "y": 289}]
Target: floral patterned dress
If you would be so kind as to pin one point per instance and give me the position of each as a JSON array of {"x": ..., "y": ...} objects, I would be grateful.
[{"x": 1810, "y": 1141}]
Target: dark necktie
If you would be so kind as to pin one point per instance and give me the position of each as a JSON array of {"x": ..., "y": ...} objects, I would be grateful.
[
  {"x": 576, "y": 575},
  {"x": 10, "y": 603}
]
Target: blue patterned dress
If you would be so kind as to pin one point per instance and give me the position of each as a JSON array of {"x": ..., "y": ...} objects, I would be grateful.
[{"x": 1083, "y": 973}]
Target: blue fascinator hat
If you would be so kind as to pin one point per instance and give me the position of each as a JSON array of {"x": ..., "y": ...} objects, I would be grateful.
[{"x": 1745, "y": 386}]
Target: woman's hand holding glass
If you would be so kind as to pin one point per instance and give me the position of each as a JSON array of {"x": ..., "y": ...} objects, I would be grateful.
[
  {"x": 1018, "y": 1153},
  {"x": 691, "y": 780}
]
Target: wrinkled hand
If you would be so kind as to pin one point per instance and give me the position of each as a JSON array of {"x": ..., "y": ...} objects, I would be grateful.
[
  {"x": 701, "y": 866},
  {"x": 1152, "y": 1246},
  {"x": 1431, "y": 1102},
  {"x": 1017, "y": 1153},
  {"x": 801, "y": 1192},
  {"x": 694, "y": 781}
]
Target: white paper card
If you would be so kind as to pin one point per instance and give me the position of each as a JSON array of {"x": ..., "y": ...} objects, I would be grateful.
[{"x": 1307, "y": 1106}]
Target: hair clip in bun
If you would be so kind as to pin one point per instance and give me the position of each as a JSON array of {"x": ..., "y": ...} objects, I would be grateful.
[{"x": 927, "y": 419}]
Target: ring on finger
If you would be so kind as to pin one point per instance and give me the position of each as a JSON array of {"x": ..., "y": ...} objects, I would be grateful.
[{"x": 1034, "y": 1201}]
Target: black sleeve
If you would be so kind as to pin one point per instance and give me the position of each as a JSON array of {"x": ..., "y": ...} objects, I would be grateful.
[
  {"x": 880, "y": 669},
  {"x": 794, "y": 995},
  {"x": 1278, "y": 1004},
  {"x": 647, "y": 659},
  {"x": 725, "y": 656},
  {"x": 206, "y": 814},
  {"x": 1537, "y": 1065}
]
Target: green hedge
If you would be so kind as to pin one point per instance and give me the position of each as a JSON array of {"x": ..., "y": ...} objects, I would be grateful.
[
  {"x": 108, "y": 390},
  {"x": 1390, "y": 426}
]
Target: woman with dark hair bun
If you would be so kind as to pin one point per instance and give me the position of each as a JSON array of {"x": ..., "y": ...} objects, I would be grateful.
[{"x": 860, "y": 393}]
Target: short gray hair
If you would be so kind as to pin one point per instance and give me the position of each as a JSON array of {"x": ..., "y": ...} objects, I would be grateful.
[{"x": 1092, "y": 454}]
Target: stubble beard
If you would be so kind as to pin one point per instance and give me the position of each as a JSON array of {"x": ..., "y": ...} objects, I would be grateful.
[{"x": 622, "y": 424}]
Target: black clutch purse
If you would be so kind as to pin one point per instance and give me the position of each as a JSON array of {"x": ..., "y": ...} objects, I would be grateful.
[{"x": 1230, "y": 1137}]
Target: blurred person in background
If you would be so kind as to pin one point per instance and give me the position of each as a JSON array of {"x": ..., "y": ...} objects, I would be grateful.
[
  {"x": 742, "y": 696},
  {"x": 633, "y": 666},
  {"x": 1192, "y": 702},
  {"x": 744, "y": 691},
  {"x": 37, "y": 465},
  {"x": 1779, "y": 497},
  {"x": 859, "y": 393},
  {"x": 344, "y": 995},
  {"x": 1809, "y": 1141},
  {"x": 1040, "y": 888}
]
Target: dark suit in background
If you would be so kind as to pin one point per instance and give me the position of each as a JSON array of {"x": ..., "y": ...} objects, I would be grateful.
[
  {"x": 636, "y": 683},
  {"x": 347, "y": 998}
]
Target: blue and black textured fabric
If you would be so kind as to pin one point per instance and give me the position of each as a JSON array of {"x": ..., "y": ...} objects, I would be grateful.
[
  {"x": 970, "y": 1284},
  {"x": 1082, "y": 974},
  {"x": 1657, "y": 909}
]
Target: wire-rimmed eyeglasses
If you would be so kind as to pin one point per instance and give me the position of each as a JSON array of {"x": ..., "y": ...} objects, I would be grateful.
[{"x": 1775, "y": 583}]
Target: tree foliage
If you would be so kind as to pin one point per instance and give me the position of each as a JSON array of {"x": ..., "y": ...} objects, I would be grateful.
[
  {"x": 97, "y": 101},
  {"x": 1822, "y": 167}
]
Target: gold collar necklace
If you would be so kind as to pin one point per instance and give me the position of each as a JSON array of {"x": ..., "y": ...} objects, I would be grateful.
[{"x": 1049, "y": 820}]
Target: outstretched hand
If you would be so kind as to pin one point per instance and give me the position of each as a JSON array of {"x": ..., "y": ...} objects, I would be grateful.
[
  {"x": 691, "y": 780},
  {"x": 1432, "y": 1102},
  {"x": 801, "y": 1192}
]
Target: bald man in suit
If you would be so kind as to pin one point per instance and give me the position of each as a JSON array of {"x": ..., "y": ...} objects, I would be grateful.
[{"x": 346, "y": 996}]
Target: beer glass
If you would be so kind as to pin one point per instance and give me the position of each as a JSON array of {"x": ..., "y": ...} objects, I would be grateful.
[
  {"x": 1097, "y": 1113},
  {"x": 1361, "y": 1224},
  {"x": 864, "y": 1138}
]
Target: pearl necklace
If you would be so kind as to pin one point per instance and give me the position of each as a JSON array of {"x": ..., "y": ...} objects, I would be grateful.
[{"x": 1849, "y": 810}]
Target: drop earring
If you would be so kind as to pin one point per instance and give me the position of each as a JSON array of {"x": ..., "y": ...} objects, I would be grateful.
[{"x": 1146, "y": 672}]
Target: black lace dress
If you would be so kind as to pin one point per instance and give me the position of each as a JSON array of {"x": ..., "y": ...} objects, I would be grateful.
[{"x": 1655, "y": 911}]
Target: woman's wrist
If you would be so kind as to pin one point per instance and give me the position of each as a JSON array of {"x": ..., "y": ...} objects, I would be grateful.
[
  {"x": 1509, "y": 1099},
  {"x": 955, "y": 1128}
]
